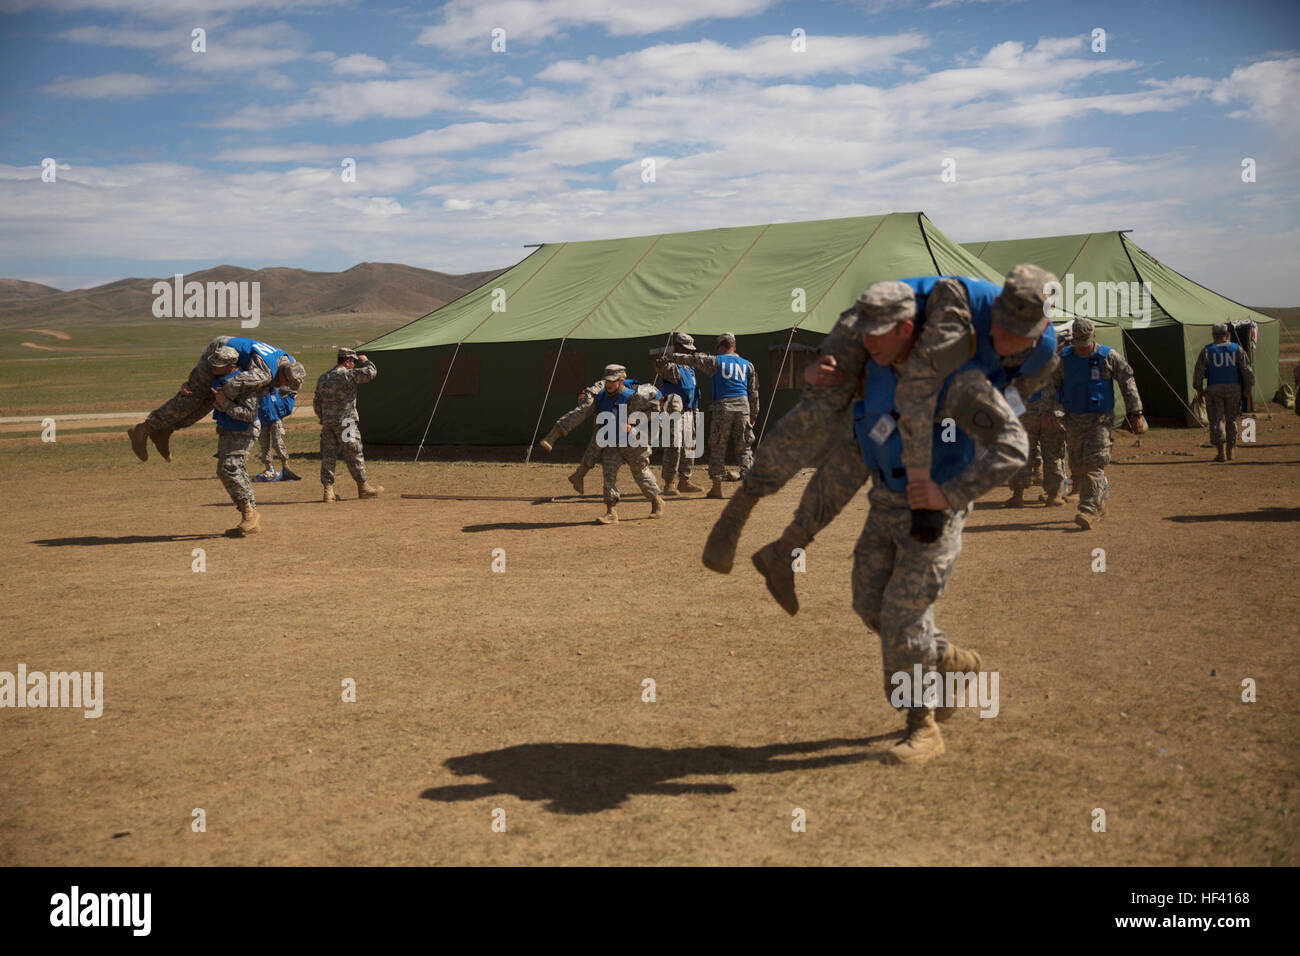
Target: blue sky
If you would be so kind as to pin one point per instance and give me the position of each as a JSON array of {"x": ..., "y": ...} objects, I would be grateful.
[{"x": 172, "y": 160}]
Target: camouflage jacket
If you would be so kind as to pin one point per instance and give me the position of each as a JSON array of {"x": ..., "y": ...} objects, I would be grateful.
[
  {"x": 336, "y": 392},
  {"x": 239, "y": 395},
  {"x": 708, "y": 364}
]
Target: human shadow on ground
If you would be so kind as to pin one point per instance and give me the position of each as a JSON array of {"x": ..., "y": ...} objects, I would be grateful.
[
  {"x": 92, "y": 540},
  {"x": 536, "y": 525},
  {"x": 1066, "y": 524},
  {"x": 1263, "y": 514},
  {"x": 1229, "y": 465},
  {"x": 579, "y": 778}
]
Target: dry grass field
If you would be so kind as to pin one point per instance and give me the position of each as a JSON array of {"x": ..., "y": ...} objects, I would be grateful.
[{"x": 522, "y": 691}]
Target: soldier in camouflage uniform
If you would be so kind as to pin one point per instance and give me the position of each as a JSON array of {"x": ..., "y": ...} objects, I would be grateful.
[
  {"x": 1222, "y": 371},
  {"x": 235, "y": 399},
  {"x": 619, "y": 441},
  {"x": 335, "y": 404},
  {"x": 681, "y": 399},
  {"x": 194, "y": 400},
  {"x": 567, "y": 423},
  {"x": 1047, "y": 438},
  {"x": 734, "y": 409},
  {"x": 1082, "y": 384},
  {"x": 896, "y": 578},
  {"x": 1018, "y": 331}
]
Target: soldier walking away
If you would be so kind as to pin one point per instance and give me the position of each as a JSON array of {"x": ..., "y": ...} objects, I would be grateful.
[
  {"x": 194, "y": 400},
  {"x": 335, "y": 404},
  {"x": 734, "y": 408},
  {"x": 1222, "y": 372},
  {"x": 1083, "y": 388},
  {"x": 897, "y": 578},
  {"x": 681, "y": 397}
]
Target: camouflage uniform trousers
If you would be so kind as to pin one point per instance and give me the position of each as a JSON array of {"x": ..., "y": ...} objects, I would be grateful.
[
  {"x": 676, "y": 460},
  {"x": 1088, "y": 440},
  {"x": 232, "y": 461},
  {"x": 897, "y": 579},
  {"x": 1223, "y": 404},
  {"x": 333, "y": 446},
  {"x": 637, "y": 461},
  {"x": 729, "y": 428},
  {"x": 273, "y": 434},
  {"x": 1049, "y": 441},
  {"x": 182, "y": 411}
]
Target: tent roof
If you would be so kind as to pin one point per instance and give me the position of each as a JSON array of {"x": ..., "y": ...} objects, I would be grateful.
[
  {"x": 1112, "y": 257},
  {"x": 740, "y": 279}
]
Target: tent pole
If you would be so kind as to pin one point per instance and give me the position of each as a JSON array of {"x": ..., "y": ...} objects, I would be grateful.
[
  {"x": 528, "y": 455},
  {"x": 429, "y": 424},
  {"x": 776, "y": 386}
]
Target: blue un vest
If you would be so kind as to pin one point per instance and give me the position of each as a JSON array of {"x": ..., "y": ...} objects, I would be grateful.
[
  {"x": 688, "y": 390},
  {"x": 273, "y": 406},
  {"x": 948, "y": 459},
  {"x": 731, "y": 380},
  {"x": 1221, "y": 363},
  {"x": 246, "y": 347},
  {"x": 224, "y": 420},
  {"x": 1083, "y": 389},
  {"x": 606, "y": 402}
]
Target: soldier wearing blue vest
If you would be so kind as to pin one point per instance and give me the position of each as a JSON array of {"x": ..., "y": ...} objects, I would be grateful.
[
  {"x": 681, "y": 398},
  {"x": 896, "y": 578},
  {"x": 1046, "y": 447},
  {"x": 954, "y": 326},
  {"x": 256, "y": 361},
  {"x": 1083, "y": 387},
  {"x": 273, "y": 407},
  {"x": 734, "y": 409},
  {"x": 235, "y": 400},
  {"x": 1222, "y": 370}
]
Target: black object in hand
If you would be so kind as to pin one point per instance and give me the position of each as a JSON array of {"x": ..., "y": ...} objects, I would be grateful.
[{"x": 927, "y": 525}]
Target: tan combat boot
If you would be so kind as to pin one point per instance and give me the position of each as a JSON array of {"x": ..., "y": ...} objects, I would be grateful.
[
  {"x": 162, "y": 441},
  {"x": 1053, "y": 501},
  {"x": 685, "y": 486},
  {"x": 139, "y": 435},
  {"x": 1017, "y": 499},
  {"x": 366, "y": 490},
  {"x": 248, "y": 523},
  {"x": 716, "y": 490},
  {"x": 657, "y": 506},
  {"x": 576, "y": 479},
  {"x": 956, "y": 661},
  {"x": 775, "y": 562},
  {"x": 1220, "y": 456},
  {"x": 547, "y": 443},
  {"x": 923, "y": 741},
  {"x": 1229, "y": 450},
  {"x": 720, "y": 548},
  {"x": 669, "y": 491},
  {"x": 609, "y": 517},
  {"x": 1085, "y": 520},
  {"x": 328, "y": 492}
]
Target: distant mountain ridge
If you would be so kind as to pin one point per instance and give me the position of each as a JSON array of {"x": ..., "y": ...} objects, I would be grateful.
[{"x": 369, "y": 287}]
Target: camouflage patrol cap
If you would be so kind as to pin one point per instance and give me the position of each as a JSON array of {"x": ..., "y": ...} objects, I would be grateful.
[
  {"x": 223, "y": 356},
  {"x": 1083, "y": 331},
  {"x": 1219, "y": 329},
  {"x": 883, "y": 306},
  {"x": 614, "y": 373},
  {"x": 1020, "y": 307},
  {"x": 684, "y": 341},
  {"x": 726, "y": 340},
  {"x": 345, "y": 354},
  {"x": 294, "y": 371}
]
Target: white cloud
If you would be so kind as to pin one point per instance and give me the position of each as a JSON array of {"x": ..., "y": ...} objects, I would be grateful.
[
  {"x": 359, "y": 64},
  {"x": 108, "y": 86},
  {"x": 1269, "y": 91},
  {"x": 351, "y": 102},
  {"x": 469, "y": 24}
]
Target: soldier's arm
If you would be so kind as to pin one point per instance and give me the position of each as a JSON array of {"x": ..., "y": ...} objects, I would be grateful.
[
  {"x": 1198, "y": 372},
  {"x": 1037, "y": 380},
  {"x": 668, "y": 372},
  {"x": 364, "y": 373},
  {"x": 753, "y": 391},
  {"x": 646, "y": 399},
  {"x": 256, "y": 375},
  {"x": 243, "y": 410},
  {"x": 1247, "y": 373},
  {"x": 576, "y": 416},
  {"x": 981, "y": 412},
  {"x": 1120, "y": 371},
  {"x": 706, "y": 363}
]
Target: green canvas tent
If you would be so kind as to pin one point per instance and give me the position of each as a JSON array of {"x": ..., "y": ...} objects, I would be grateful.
[
  {"x": 496, "y": 364},
  {"x": 1102, "y": 275}
]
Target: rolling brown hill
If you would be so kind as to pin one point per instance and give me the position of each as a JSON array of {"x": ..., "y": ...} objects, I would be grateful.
[{"x": 370, "y": 287}]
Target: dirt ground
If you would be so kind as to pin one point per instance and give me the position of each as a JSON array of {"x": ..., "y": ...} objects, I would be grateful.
[{"x": 522, "y": 691}]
